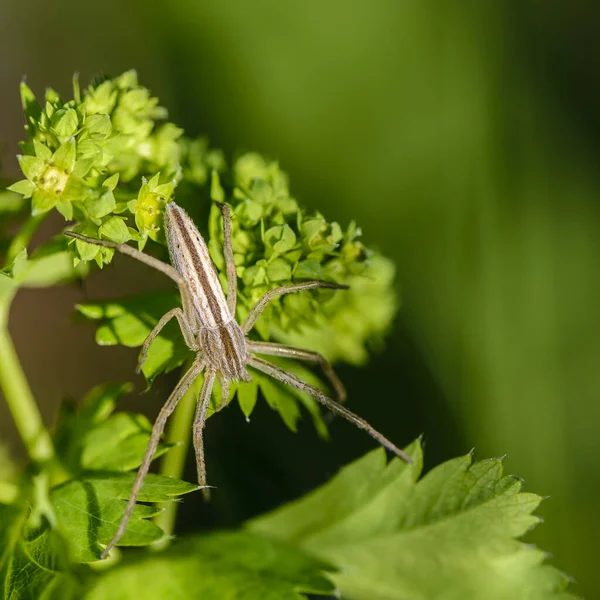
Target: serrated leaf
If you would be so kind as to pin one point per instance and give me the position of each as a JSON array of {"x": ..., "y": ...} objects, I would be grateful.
[
  {"x": 30, "y": 561},
  {"x": 89, "y": 510},
  {"x": 238, "y": 566},
  {"x": 450, "y": 535},
  {"x": 96, "y": 448}
]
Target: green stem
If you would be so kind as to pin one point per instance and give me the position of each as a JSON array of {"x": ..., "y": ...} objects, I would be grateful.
[
  {"x": 173, "y": 462},
  {"x": 21, "y": 403},
  {"x": 23, "y": 237}
]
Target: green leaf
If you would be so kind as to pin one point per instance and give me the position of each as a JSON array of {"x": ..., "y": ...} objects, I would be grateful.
[
  {"x": 450, "y": 535},
  {"x": 128, "y": 322},
  {"x": 238, "y": 566},
  {"x": 64, "y": 123},
  {"x": 102, "y": 205},
  {"x": 115, "y": 229},
  {"x": 32, "y": 166},
  {"x": 64, "y": 157},
  {"x": 96, "y": 447},
  {"x": 89, "y": 510},
  {"x": 76, "y": 421},
  {"x": 23, "y": 187},
  {"x": 247, "y": 395},
  {"x": 280, "y": 399},
  {"x": 98, "y": 126},
  {"x": 280, "y": 238},
  {"x": 118, "y": 443},
  {"x": 31, "y": 567}
]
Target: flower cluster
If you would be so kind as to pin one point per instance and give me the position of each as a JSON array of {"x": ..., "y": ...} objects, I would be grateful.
[
  {"x": 86, "y": 158},
  {"x": 108, "y": 160},
  {"x": 275, "y": 242}
]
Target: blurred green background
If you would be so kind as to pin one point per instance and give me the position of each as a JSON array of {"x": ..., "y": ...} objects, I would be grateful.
[{"x": 465, "y": 140}]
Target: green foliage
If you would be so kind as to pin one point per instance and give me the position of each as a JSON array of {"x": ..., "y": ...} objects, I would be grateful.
[
  {"x": 449, "y": 535},
  {"x": 276, "y": 242},
  {"x": 107, "y": 160},
  {"x": 225, "y": 565},
  {"x": 128, "y": 322}
]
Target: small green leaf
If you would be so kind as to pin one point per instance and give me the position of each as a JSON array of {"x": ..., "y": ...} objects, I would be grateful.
[
  {"x": 64, "y": 157},
  {"x": 115, "y": 229},
  {"x": 128, "y": 322},
  {"x": 101, "y": 205},
  {"x": 279, "y": 270},
  {"x": 32, "y": 167},
  {"x": 281, "y": 400},
  {"x": 98, "y": 126},
  {"x": 42, "y": 202},
  {"x": 280, "y": 238},
  {"x": 111, "y": 182},
  {"x": 64, "y": 123},
  {"x": 31, "y": 107},
  {"x": 118, "y": 443},
  {"x": 238, "y": 566},
  {"x": 216, "y": 190},
  {"x": 24, "y": 187},
  {"x": 42, "y": 151},
  {"x": 247, "y": 395}
]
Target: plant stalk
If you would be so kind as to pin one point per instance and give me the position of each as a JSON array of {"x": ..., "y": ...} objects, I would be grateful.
[{"x": 21, "y": 403}]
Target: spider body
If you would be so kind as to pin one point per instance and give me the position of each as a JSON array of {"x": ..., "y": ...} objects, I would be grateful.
[
  {"x": 207, "y": 322},
  {"x": 210, "y": 319}
]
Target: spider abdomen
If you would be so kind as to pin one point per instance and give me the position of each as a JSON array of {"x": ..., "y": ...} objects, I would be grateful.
[{"x": 224, "y": 348}]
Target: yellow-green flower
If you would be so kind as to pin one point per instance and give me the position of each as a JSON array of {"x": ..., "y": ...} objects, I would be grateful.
[{"x": 51, "y": 178}]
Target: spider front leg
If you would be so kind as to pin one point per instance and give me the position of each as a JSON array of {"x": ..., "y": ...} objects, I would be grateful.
[
  {"x": 229, "y": 260},
  {"x": 157, "y": 431},
  {"x": 198, "y": 428},
  {"x": 290, "y": 379},
  {"x": 280, "y": 291},
  {"x": 272, "y": 349},
  {"x": 168, "y": 270},
  {"x": 186, "y": 329}
]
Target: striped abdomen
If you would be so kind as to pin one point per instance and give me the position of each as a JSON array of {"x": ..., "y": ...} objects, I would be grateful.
[{"x": 220, "y": 336}]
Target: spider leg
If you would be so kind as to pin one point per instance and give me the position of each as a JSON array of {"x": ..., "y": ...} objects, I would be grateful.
[
  {"x": 272, "y": 349},
  {"x": 229, "y": 260},
  {"x": 224, "y": 393},
  {"x": 186, "y": 329},
  {"x": 285, "y": 377},
  {"x": 279, "y": 291},
  {"x": 157, "y": 430},
  {"x": 168, "y": 270},
  {"x": 198, "y": 429}
]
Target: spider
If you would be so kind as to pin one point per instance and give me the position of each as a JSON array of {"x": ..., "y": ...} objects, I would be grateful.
[{"x": 207, "y": 322}]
